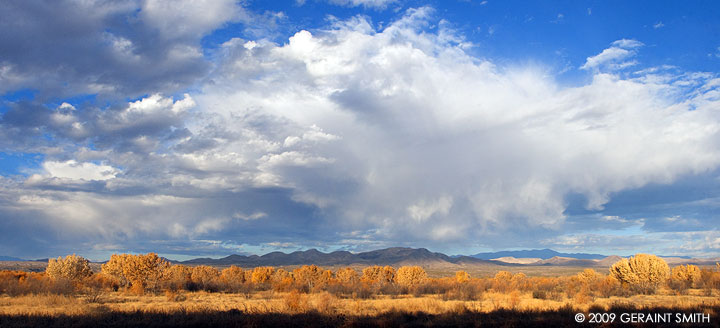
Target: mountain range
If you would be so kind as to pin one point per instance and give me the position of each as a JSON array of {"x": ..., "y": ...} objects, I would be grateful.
[
  {"x": 397, "y": 256},
  {"x": 421, "y": 256},
  {"x": 10, "y": 258},
  {"x": 542, "y": 254},
  {"x": 387, "y": 256}
]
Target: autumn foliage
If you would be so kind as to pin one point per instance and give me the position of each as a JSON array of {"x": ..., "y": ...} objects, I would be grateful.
[
  {"x": 142, "y": 272},
  {"x": 643, "y": 271},
  {"x": 410, "y": 276},
  {"x": 148, "y": 273},
  {"x": 72, "y": 267}
]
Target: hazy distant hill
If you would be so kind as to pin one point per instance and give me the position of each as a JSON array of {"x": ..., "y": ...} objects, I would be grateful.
[
  {"x": 420, "y": 256},
  {"x": 388, "y": 256},
  {"x": 10, "y": 258},
  {"x": 544, "y": 254}
]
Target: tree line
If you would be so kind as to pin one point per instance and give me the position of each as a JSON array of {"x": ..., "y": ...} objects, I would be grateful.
[{"x": 149, "y": 273}]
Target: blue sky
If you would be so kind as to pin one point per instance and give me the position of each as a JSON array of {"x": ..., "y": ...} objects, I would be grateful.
[{"x": 206, "y": 128}]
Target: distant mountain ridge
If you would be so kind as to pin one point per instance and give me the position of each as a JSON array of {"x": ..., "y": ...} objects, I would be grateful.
[
  {"x": 387, "y": 256},
  {"x": 10, "y": 258},
  {"x": 398, "y": 256},
  {"x": 544, "y": 254}
]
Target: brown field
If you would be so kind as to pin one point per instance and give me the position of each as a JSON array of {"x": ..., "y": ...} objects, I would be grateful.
[{"x": 142, "y": 290}]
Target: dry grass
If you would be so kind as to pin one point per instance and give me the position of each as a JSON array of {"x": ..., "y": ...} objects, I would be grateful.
[{"x": 293, "y": 302}]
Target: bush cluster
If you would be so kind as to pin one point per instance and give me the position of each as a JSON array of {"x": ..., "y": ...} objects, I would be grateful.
[{"x": 148, "y": 273}]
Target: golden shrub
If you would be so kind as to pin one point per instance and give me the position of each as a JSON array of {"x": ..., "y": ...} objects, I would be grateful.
[
  {"x": 378, "y": 274},
  {"x": 643, "y": 270},
  {"x": 282, "y": 280},
  {"x": 347, "y": 276},
  {"x": 462, "y": 277},
  {"x": 503, "y": 276},
  {"x": 310, "y": 276},
  {"x": 232, "y": 275},
  {"x": 146, "y": 270},
  {"x": 261, "y": 275},
  {"x": 410, "y": 276},
  {"x": 296, "y": 302},
  {"x": 72, "y": 267},
  {"x": 519, "y": 281},
  {"x": 204, "y": 276},
  {"x": 502, "y": 281},
  {"x": 686, "y": 275},
  {"x": 177, "y": 276},
  {"x": 588, "y": 276}
]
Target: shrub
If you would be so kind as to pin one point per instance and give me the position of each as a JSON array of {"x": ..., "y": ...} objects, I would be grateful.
[
  {"x": 609, "y": 286},
  {"x": 72, "y": 267},
  {"x": 519, "y": 281},
  {"x": 140, "y": 271},
  {"x": 232, "y": 278},
  {"x": 296, "y": 302},
  {"x": 177, "y": 277},
  {"x": 377, "y": 274},
  {"x": 642, "y": 272},
  {"x": 462, "y": 277},
  {"x": 347, "y": 276},
  {"x": 282, "y": 280},
  {"x": 410, "y": 276},
  {"x": 539, "y": 294},
  {"x": 501, "y": 281},
  {"x": 232, "y": 274},
  {"x": 588, "y": 277},
  {"x": 685, "y": 276},
  {"x": 309, "y": 277},
  {"x": 205, "y": 277},
  {"x": 262, "y": 275}
]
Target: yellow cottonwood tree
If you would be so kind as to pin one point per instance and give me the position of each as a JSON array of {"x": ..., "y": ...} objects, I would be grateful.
[
  {"x": 642, "y": 270},
  {"x": 141, "y": 271},
  {"x": 686, "y": 275},
  {"x": 233, "y": 275},
  {"x": 311, "y": 276},
  {"x": 347, "y": 276},
  {"x": 462, "y": 277},
  {"x": 261, "y": 275},
  {"x": 204, "y": 277},
  {"x": 410, "y": 276},
  {"x": 378, "y": 274},
  {"x": 72, "y": 267}
]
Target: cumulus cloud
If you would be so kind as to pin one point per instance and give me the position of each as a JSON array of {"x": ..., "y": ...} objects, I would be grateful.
[
  {"x": 419, "y": 120},
  {"x": 615, "y": 57},
  {"x": 116, "y": 49},
  {"x": 367, "y": 137},
  {"x": 377, "y": 4},
  {"x": 79, "y": 171}
]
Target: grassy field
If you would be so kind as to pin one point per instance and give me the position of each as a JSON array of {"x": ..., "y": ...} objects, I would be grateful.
[
  {"x": 290, "y": 302},
  {"x": 325, "y": 309}
]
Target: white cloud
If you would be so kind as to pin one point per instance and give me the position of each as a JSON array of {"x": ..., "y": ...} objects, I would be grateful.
[
  {"x": 378, "y": 4},
  {"x": 423, "y": 210},
  {"x": 627, "y": 44},
  {"x": 190, "y": 18},
  {"x": 615, "y": 57},
  {"x": 79, "y": 171},
  {"x": 417, "y": 119},
  {"x": 254, "y": 216}
]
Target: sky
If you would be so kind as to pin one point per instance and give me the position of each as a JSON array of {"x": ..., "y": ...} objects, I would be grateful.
[{"x": 207, "y": 128}]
